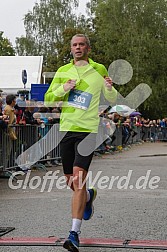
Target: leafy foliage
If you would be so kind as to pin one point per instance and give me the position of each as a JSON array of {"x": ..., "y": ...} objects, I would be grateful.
[
  {"x": 6, "y": 48},
  {"x": 135, "y": 31},
  {"x": 44, "y": 27}
]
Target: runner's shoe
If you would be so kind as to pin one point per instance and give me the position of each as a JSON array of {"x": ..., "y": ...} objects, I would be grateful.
[
  {"x": 89, "y": 209},
  {"x": 72, "y": 242}
]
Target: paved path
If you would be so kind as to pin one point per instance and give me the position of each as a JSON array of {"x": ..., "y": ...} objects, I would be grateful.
[{"x": 122, "y": 209}]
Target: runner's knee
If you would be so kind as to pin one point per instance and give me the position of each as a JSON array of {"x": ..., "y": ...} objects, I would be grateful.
[
  {"x": 78, "y": 179},
  {"x": 69, "y": 180}
]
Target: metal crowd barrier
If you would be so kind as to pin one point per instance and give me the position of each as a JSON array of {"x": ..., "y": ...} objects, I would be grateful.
[
  {"x": 11, "y": 149},
  {"x": 135, "y": 135},
  {"x": 118, "y": 136},
  {"x": 158, "y": 133},
  {"x": 28, "y": 135},
  {"x": 51, "y": 143}
]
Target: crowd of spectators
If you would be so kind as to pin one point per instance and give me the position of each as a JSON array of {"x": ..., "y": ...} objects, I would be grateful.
[
  {"x": 12, "y": 113},
  {"x": 151, "y": 130},
  {"x": 15, "y": 111}
]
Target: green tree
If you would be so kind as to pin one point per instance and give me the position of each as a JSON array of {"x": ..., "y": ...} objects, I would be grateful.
[
  {"x": 44, "y": 26},
  {"x": 6, "y": 48},
  {"x": 135, "y": 31},
  {"x": 49, "y": 28}
]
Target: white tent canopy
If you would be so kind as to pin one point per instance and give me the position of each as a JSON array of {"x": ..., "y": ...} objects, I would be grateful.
[{"x": 11, "y": 72}]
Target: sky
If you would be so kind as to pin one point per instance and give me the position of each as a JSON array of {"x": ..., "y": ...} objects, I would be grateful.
[{"x": 12, "y": 13}]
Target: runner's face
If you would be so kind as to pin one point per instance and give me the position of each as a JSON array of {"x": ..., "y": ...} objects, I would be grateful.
[{"x": 79, "y": 48}]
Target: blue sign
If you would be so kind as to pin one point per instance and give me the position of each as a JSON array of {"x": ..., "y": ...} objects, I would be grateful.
[
  {"x": 24, "y": 76},
  {"x": 38, "y": 91},
  {"x": 79, "y": 99}
]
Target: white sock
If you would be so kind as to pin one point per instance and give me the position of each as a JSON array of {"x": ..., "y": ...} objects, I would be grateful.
[
  {"x": 76, "y": 225},
  {"x": 88, "y": 195}
]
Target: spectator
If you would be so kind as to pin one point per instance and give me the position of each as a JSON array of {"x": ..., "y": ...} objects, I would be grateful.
[
  {"x": 19, "y": 111},
  {"x": 3, "y": 118},
  {"x": 163, "y": 125},
  {"x": 29, "y": 114},
  {"x": 10, "y": 112}
]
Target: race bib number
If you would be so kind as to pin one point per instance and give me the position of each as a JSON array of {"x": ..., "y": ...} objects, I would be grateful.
[{"x": 79, "y": 99}]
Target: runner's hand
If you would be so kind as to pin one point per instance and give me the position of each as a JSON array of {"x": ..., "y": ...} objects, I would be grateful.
[
  {"x": 70, "y": 84},
  {"x": 108, "y": 83}
]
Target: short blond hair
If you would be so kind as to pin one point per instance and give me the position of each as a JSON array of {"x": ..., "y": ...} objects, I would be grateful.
[{"x": 82, "y": 36}]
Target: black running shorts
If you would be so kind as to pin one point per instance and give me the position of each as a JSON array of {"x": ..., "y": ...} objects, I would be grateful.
[{"x": 75, "y": 153}]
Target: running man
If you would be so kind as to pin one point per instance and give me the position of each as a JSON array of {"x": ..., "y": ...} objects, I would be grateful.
[{"x": 79, "y": 85}]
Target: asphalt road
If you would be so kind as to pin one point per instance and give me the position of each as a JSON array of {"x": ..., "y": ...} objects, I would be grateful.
[{"x": 131, "y": 201}]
